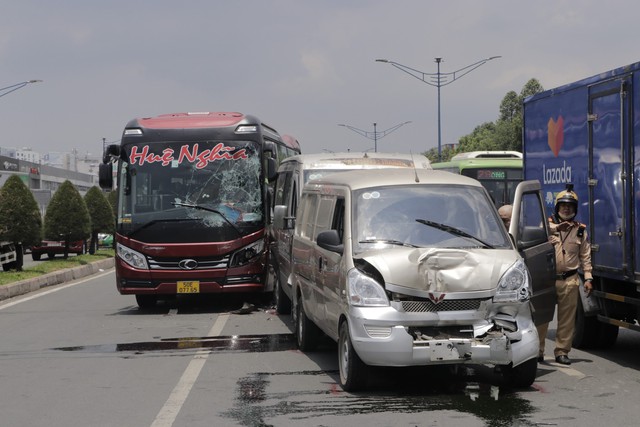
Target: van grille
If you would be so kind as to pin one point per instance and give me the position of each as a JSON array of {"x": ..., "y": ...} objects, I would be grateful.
[{"x": 428, "y": 306}]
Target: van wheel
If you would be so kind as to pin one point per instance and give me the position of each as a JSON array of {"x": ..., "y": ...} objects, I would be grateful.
[
  {"x": 353, "y": 371},
  {"x": 521, "y": 376},
  {"x": 283, "y": 303},
  {"x": 146, "y": 301},
  {"x": 307, "y": 333}
]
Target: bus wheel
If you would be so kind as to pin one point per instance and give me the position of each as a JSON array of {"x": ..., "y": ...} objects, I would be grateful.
[{"x": 146, "y": 301}]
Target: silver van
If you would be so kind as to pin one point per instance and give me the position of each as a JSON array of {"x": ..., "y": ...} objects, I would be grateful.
[
  {"x": 415, "y": 267},
  {"x": 294, "y": 172}
]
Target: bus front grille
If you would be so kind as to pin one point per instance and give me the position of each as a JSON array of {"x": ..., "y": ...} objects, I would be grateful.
[{"x": 201, "y": 263}]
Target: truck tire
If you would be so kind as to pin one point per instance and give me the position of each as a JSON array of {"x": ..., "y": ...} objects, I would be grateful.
[{"x": 587, "y": 329}]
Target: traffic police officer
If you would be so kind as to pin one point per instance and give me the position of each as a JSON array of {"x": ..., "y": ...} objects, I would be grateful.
[{"x": 573, "y": 252}]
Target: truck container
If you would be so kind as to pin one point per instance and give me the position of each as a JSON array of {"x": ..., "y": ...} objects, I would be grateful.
[{"x": 587, "y": 133}]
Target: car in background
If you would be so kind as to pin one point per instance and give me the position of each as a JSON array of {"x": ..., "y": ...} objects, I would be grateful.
[
  {"x": 105, "y": 240},
  {"x": 54, "y": 247}
]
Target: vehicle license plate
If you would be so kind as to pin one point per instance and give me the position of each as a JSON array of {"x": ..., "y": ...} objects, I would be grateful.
[
  {"x": 189, "y": 287},
  {"x": 54, "y": 244}
]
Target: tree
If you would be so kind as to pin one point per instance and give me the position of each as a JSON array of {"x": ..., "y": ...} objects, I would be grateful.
[
  {"x": 506, "y": 132},
  {"x": 20, "y": 219},
  {"x": 101, "y": 214},
  {"x": 67, "y": 217}
]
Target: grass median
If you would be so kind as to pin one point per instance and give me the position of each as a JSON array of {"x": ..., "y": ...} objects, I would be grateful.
[{"x": 53, "y": 264}]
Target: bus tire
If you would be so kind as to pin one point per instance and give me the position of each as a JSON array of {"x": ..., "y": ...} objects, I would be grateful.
[{"x": 146, "y": 301}]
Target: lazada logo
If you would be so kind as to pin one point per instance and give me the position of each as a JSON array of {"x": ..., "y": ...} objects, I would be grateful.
[
  {"x": 555, "y": 139},
  {"x": 555, "y": 131}
]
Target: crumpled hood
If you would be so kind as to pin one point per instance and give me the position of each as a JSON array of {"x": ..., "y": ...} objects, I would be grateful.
[{"x": 442, "y": 270}]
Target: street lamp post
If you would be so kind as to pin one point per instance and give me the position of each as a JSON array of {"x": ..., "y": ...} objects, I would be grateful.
[
  {"x": 375, "y": 135},
  {"x": 7, "y": 90},
  {"x": 438, "y": 80}
]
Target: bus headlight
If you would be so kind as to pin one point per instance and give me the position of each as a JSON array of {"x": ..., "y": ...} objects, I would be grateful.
[
  {"x": 514, "y": 285},
  {"x": 247, "y": 254},
  {"x": 133, "y": 258}
]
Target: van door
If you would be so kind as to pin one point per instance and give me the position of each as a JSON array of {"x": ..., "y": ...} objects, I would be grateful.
[{"x": 530, "y": 230}]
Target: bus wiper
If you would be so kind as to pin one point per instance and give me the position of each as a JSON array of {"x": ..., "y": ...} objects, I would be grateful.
[
  {"x": 453, "y": 230},
  {"x": 204, "y": 208},
  {"x": 389, "y": 241}
]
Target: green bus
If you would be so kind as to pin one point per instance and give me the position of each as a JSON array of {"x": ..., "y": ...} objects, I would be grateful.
[{"x": 498, "y": 171}]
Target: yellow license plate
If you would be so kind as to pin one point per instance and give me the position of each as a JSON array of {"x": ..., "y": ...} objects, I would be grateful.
[{"x": 189, "y": 287}]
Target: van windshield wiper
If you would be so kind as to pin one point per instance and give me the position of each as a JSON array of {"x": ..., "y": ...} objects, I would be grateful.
[
  {"x": 389, "y": 241},
  {"x": 204, "y": 208},
  {"x": 454, "y": 231}
]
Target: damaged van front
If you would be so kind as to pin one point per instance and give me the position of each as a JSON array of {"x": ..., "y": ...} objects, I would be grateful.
[{"x": 417, "y": 269}]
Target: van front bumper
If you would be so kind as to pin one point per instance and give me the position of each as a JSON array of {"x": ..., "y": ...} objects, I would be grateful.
[{"x": 381, "y": 344}]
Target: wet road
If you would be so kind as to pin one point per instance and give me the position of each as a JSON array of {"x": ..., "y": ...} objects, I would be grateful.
[{"x": 81, "y": 354}]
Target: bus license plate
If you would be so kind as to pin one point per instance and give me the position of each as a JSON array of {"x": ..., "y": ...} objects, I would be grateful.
[{"x": 189, "y": 287}]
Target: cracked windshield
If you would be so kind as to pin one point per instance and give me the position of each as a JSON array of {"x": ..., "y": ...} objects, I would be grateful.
[{"x": 172, "y": 185}]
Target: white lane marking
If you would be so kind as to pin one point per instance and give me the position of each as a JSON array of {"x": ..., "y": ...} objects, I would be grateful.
[
  {"x": 178, "y": 396},
  {"x": 57, "y": 288}
]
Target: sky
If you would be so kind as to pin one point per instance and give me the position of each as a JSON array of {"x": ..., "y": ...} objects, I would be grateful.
[{"x": 302, "y": 66}]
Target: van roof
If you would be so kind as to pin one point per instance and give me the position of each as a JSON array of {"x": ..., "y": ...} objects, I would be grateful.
[
  {"x": 359, "y": 160},
  {"x": 365, "y": 178}
]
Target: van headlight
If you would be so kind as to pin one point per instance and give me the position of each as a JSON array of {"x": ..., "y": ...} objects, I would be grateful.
[
  {"x": 514, "y": 285},
  {"x": 133, "y": 258},
  {"x": 365, "y": 291}
]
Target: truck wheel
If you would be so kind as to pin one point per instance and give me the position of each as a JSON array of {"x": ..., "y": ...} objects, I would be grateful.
[
  {"x": 607, "y": 335},
  {"x": 353, "y": 371},
  {"x": 586, "y": 330},
  {"x": 521, "y": 376},
  {"x": 146, "y": 301},
  {"x": 307, "y": 333},
  {"x": 36, "y": 256},
  {"x": 283, "y": 303}
]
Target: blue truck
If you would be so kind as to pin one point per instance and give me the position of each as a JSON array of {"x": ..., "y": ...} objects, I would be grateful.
[{"x": 587, "y": 133}]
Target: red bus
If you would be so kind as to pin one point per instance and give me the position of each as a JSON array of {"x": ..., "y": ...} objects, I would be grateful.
[{"x": 194, "y": 193}]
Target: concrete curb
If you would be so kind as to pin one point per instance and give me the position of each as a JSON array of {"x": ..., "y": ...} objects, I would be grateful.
[{"x": 54, "y": 278}]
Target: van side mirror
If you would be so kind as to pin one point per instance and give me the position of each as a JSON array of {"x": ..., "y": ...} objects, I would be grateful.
[
  {"x": 531, "y": 236},
  {"x": 280, "y": 220},
  {"x": 330, "y": 240}
]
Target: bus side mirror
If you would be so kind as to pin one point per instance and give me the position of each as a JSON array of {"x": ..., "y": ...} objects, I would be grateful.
[
  {"x": 105, "y": 176},
  {"x": 272, "y": 169},
  {"x": 112, "y": 150}
]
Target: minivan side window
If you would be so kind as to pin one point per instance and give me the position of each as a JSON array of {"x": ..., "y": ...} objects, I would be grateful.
[
  {"x": 307, "y": 222},
  {"x": 338, "y": 218},
  {"x": 281, "y": 184},
  {"x": 324, "y": 219}
]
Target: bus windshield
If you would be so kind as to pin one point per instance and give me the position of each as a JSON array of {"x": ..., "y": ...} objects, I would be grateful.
[{"x": 190, "y": 192}]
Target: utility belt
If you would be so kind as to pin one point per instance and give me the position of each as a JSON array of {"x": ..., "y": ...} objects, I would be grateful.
[{"x": 566, "y": 274}]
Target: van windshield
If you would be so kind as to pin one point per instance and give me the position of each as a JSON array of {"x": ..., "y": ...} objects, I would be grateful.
[{"x": 426, "y": 216}]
